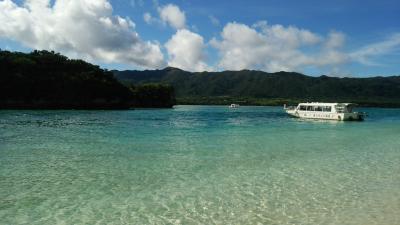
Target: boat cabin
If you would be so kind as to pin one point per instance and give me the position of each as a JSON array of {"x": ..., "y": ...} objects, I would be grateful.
[{"x": 326, "y": 107}]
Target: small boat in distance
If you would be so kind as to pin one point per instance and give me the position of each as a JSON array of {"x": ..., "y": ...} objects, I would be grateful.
[
  {"x": 234, "y": 106},
  {"x": 326, "y": 111}
]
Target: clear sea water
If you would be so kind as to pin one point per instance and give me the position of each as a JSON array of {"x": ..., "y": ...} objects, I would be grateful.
[{"x": 198, "y": 165}]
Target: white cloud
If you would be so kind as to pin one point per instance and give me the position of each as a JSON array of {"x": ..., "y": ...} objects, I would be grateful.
[
  {"x": 173, "y": 16},
  {"x": 275, "y": 48},
  {"x": 88, "y": 29},
  {"x": 214, "y": 20},
  {"x": 186, "y": 51},
  {"x": 291, "y": 36},
  {"x": 335, "y": 40},
  {"x": 78, "y": 28},
  {"x": 148, "y": 18},
  {"x": 364, "y": 55}
]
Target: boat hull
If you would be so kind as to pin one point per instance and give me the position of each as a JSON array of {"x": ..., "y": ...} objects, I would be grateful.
[{"x": 354, "y": 116}]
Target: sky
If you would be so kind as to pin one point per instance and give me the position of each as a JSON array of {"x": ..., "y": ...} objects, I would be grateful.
[{"x": 337, "y": 38}]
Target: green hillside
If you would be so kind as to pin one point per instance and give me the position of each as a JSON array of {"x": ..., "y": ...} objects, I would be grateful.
[
  {"x": 261, "y": 88},
  {"x": 48, "y": 80}
]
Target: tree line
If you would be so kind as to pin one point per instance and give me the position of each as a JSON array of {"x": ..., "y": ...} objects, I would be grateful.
[{"x": 49, "y": 80}]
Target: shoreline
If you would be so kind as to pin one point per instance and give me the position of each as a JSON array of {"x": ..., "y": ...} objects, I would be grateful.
[
  {"x": 166, "y": 108},
  {"x": 279, "y": 102}
]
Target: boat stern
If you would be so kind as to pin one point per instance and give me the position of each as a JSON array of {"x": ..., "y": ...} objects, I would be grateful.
[{"x": 355, "y": 116}]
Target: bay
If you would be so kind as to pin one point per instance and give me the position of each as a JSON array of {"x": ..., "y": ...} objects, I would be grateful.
[{"x": 198, "y": 165}]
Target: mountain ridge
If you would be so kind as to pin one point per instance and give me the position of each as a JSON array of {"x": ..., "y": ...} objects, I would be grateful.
[{"x": 253, "y": 84}]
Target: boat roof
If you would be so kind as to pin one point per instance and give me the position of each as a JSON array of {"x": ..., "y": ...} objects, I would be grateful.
[{"x": 325, "y": 103}]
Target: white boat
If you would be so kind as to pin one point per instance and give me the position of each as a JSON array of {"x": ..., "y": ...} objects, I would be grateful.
[
  {"x": 326, "y": 111},
  {"x": 234, "y": 106}
]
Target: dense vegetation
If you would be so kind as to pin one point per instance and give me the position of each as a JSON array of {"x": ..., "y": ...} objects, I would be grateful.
[
  {"x": 43, "y": 79},
  {"x": 261, "y": 88},
  {"x": 153, "y": 95}
]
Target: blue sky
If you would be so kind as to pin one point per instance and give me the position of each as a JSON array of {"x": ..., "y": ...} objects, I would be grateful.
[{"x": 339, "y": 38}]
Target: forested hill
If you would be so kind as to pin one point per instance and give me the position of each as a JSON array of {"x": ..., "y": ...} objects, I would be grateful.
[
  {"x": 257, "y": 87},
  {"x": 48, "y": 80}
]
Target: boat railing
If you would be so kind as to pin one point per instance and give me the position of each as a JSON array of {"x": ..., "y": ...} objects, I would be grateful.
[{"x": 290, "y": 107}]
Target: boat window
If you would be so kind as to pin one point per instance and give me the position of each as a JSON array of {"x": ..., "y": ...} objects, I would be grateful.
[
  {"x": 318, "y": 108},
  {"x": 339, "y": 109},
  {"x": 310, "y": 108},
  {"x": 303, "y": 108},
  {"x": 327, "y": 108}
]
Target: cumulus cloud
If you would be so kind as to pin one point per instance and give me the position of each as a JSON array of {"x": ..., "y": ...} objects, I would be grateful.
[
  {"x": 335, "y": 40},
  {"x": 186, "y": 51},
  {"x": 275, "y": 48},
  {"x": 291, "y": 35},
  {"x": 78, "y": 28},
  {"x": 364, "y": 55},
  {"x": 88, "y": 29},
  {"x": 173, "y": 16}
]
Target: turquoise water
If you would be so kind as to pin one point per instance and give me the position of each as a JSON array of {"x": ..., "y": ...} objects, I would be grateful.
[{"x": 198, "y": 165}]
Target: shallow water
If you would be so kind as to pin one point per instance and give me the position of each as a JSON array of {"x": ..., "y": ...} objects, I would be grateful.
[{"x": 198, "y": 165}]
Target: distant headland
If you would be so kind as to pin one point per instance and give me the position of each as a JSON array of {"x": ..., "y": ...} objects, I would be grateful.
[{"x": 48, "y": 80}]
